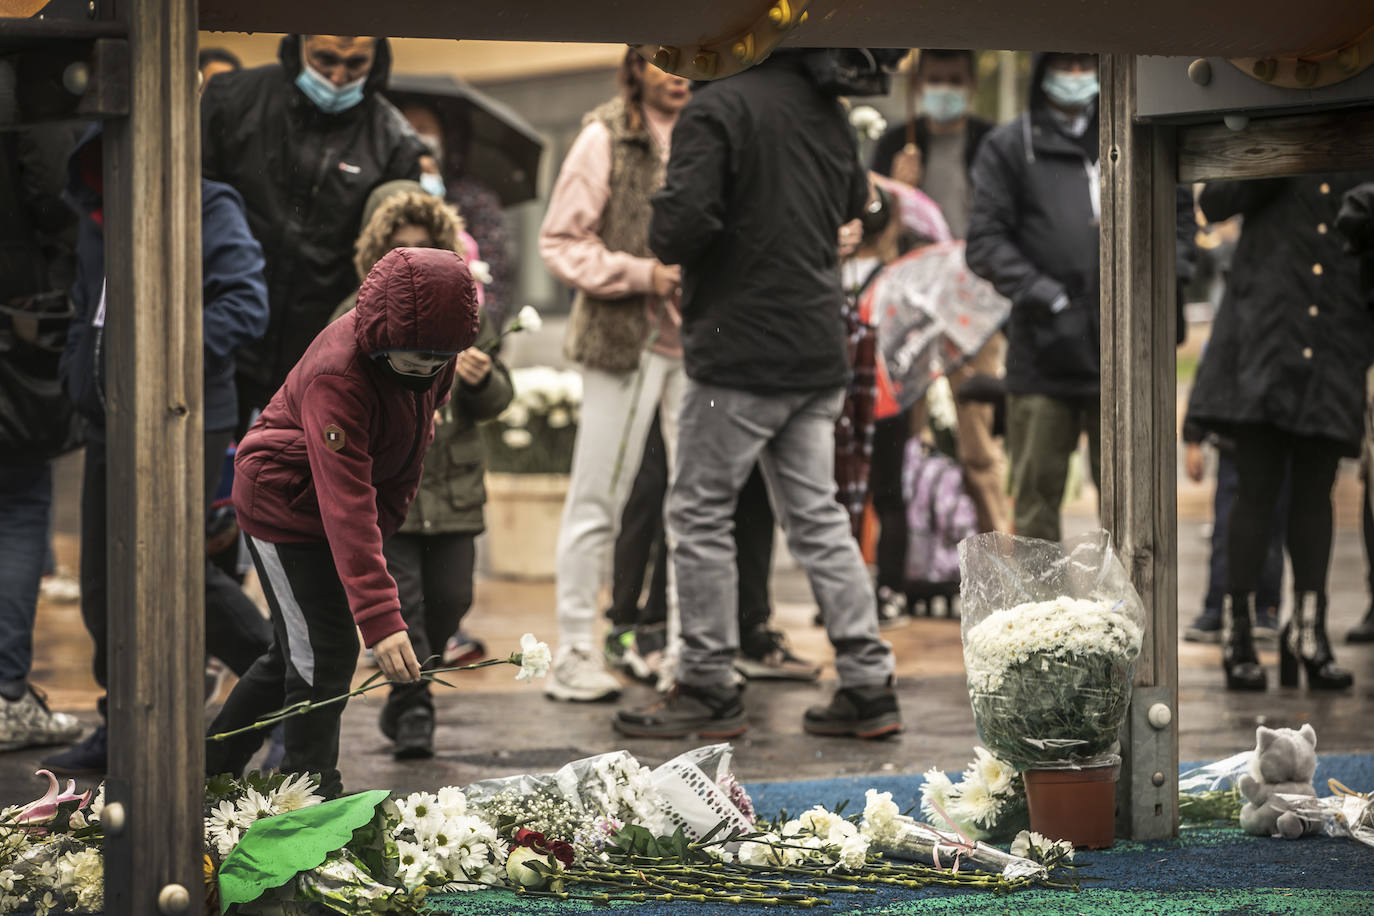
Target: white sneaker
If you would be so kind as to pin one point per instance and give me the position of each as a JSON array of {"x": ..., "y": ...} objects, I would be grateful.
[
  {"x": 27, "y": 722},
  {"x": 579, "y": 675}
]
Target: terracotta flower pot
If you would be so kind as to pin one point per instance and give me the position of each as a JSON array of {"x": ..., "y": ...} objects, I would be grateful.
[{"x": 1074, "y": 805}]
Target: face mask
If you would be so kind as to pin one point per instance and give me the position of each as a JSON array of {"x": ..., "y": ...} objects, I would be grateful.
[
  {"x": 416, "y": 383},
  {"x": 1070, "y": 90},
  {"x": 943, "y": 104},
  {"x": 327, "y": 97},
  {"x": 433, "y": 183}
]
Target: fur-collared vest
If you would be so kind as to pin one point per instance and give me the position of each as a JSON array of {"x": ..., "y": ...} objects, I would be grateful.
[{"x": 608, "y": 334}]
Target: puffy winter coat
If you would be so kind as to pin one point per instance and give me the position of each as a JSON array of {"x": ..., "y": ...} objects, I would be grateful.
[
  {"x": 304, "y": 175},
  {"x": 233, "y": 294},
  {"x": 336, "y": 455},
  {"x": 1294, "y": 336},
  {"x": 763, "y": 172}
]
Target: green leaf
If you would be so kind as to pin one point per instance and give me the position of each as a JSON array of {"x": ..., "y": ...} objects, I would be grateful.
[{"x": 276, "y": 849}]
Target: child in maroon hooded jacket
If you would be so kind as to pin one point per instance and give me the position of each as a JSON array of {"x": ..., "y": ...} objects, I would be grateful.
[{"x": 322, "y": 478}]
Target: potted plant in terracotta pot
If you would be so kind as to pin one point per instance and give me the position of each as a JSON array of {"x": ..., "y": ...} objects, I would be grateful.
[
  {"x": 529, "y": 454},
  {"x": 1051, "y": 633}
]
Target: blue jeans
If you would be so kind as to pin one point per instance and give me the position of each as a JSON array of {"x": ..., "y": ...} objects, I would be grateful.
[
  {"x": 25, "y": 510},
  {"x": 1269, "y": 591}
]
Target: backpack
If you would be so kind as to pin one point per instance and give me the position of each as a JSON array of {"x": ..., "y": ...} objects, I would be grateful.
[{"x": 940, "y": 514}]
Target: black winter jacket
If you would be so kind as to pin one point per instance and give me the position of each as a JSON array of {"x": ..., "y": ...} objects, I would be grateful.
[
  {"x": 894, "y": 138},
  {"x": 763, "y": 172},
  {"x": 304, "y": 176},
  {"x": 1294, "y": 336}
]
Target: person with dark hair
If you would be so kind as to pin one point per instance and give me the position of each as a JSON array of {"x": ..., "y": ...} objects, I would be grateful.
[
  {"x": 1284, "y": 378},
  {"x": 757, "y": 157},
  {"x": 211, "y": 62},
  {"x": 623, "y": 331},
  {"x": 304, "y": 141}
]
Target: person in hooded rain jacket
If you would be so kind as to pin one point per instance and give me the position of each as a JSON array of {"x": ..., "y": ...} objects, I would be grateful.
[
  {"x": 304, "y": 141},
  {"x": 324, "y": 476},
  {"x": 432, "y": 557}
]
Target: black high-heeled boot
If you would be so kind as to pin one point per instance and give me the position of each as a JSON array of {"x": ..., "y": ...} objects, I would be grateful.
[
  {"x": 1304, "y": 640},
  {"x": 1238, "y": 658}
]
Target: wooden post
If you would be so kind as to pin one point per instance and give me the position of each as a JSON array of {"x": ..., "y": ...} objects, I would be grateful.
[
  {"x": 156, "y": 538},
  {"x": 1139, "y": 493}
]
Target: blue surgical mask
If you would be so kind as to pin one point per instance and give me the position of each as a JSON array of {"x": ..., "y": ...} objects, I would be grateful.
[
  {"x": 327, "y": 97},
  {"x": 943, "y": 104},
  {"x": 1070, "y": 90},
  {"x": 433, "y": 183}
]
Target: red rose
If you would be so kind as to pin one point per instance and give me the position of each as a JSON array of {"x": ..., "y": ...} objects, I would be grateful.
[
  {"x": 532, "y": 839},
  {"x": 563, "y": 852}
]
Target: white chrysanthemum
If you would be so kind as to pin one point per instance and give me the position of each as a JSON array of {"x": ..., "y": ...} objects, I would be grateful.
[
  {"x": 880, "y": 815},
  {"x": 416, "y": 807},
  {"x": 559, "y": 418},
  {"x": 853, "y": 853},
  {"x": 297, "y": 792},
  {"x": 535, "y": 658},
  {"x": 451, "y": 801},
  {"x": 975, "y": 803},
  {"x": 254, "y": 806},
  {"x": 1059, "y": 628},
  {"x": 995, "y": 774},
  {"x": 413, "y": 864},
  {"x": 529, "y": 318},
  {"x": 224, "y": 826},
  {"x": 868, "y": 121}
]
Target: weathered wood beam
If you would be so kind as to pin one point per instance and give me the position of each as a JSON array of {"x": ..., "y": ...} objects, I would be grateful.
[
  {"x": 156, "y": 518},
  {"x": 1138, "y": 432},
  {"x": 1271, "y": 147},
  {"x": 1235, "y": 28}
]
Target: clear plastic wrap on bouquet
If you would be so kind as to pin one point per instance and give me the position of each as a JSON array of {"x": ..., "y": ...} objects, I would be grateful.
[
  {"x": 1050, "y": 635},
  {"x": 1345, "y": 813},
  {"x": 921, "y": 842}
]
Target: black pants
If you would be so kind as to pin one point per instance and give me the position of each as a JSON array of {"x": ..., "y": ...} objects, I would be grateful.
[
  {"x": 313, "y": 656},
  {"x": 885, "y": 486},
  {"x": 235, "y": 632},
  {"x": 433, "y": 574},
  {"x": 1263, "y": 455},
  {"x": 641, "y": 538}
]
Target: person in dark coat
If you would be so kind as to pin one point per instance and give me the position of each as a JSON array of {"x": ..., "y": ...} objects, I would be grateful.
[
  {"x": 1356, "y": 222},
  {"x": 1284, "y": 377},
  {"x": 234, "y": 299},
  {"x": 325, "y": 475},
  {"x": 304, "y": 141},
  {"x": 763, "y": 173},
  {"x": 1033, "y": 234},
  {"x": 37, "y": 237}
]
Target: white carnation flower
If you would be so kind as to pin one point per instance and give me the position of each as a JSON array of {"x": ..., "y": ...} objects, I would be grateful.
[
  {"x": 880, "y": 815},
  {"x": 481, "y": 272},
  {"x": 853, "y": 853},
  {"x": 528, "y": 319},
  {"x": 818, "y": 821},
  {"x": 535, "y": 658},
  {"x": 517, "y": 438},
  {"x": 759, "y": 852},
  {"x": 451, "y": 801}
]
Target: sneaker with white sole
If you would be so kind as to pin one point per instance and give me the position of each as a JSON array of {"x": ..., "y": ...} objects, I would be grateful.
[
  {"x": 579, "y": 675},
  {"x": 28, "y": 722}
]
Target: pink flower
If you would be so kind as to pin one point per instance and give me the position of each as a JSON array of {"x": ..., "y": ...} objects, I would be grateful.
[{"x": 45, "y": 808}]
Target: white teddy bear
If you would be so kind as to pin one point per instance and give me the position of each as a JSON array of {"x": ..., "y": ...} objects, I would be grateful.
[{"x": 1284, "y": 763}]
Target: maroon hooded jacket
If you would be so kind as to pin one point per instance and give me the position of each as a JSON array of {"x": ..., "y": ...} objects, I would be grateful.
[{"x": 337, "y": 453}]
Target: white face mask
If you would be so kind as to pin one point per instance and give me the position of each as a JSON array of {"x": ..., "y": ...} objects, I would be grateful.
[{"x": 943, "y": 104}]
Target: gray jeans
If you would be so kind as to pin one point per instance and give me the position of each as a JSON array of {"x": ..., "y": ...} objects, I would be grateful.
[{"x": 722, "y": 432}]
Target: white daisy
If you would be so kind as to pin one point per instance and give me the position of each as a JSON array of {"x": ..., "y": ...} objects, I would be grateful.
[{"x": 297, "y": 792}]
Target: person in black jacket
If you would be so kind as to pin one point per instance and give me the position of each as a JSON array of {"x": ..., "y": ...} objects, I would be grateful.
[
  {"x": 1284, "y": 377},
  {"x": 234, "y": 300},
  {"x": 37, "y": 235},
  {"x": 762, "y": 174},
  {"x": 304, "y": 141}
]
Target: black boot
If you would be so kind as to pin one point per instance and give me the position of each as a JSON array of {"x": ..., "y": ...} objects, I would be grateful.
[
  {"x": 1238, "y": 658},
  {"x": 857, "y": 712},
  {"x": 709, "y": 712},
  {"x": 1304, "y": 640},
  {"x": 414, "y": 734},
  {"x": 1364, "y": 630}
]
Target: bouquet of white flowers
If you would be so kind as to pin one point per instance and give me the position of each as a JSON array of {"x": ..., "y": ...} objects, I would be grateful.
[
  {"x": 1050, "y": 635},
  {"x": 535, "y": 434}
]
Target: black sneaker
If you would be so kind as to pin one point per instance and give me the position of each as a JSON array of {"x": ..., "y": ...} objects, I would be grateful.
[
  {"x": 1266, "y": 628},
  {"x": 88, "y": 757},
  {"x": 766, "y": 657},
  {"x": 708, "y": 712},
  {"x": 1206, "y": 628},
  {"x": 628, "y": 650},
  {"x": 414, "y": 734},
  {"x": 856, "y": 712}
]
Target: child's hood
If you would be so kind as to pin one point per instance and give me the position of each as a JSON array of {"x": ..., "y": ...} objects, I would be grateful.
[{"x": 417, "y": 299}]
